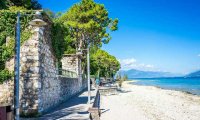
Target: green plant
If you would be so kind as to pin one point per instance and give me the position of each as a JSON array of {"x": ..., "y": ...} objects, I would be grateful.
[
  {"x": 125, "y": 77},
  {"x": 5, "y": 75},
  {"x": 103, "y": 63},
  {"x": 120, "y": 79},
  {"x": 29, "y": 4},
  {"x": 61, "y": 41},
  {"x": 88, "y": 22},
  {"x": 7, "y": 35},
  {"x": 30, "y": 115},
  {"x": 120, "y": 82}
]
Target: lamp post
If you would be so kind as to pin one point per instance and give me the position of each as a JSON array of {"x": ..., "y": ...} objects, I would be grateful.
[
  {"x": 88, "y": 70},
  {"x": 35, "y": 22},
  {"x": 16, "y": 69}
]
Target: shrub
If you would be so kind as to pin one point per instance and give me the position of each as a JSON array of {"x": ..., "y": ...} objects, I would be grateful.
[{"x": 5, "y": 75}]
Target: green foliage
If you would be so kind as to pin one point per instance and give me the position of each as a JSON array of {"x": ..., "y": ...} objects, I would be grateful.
[
  {"x": 51, "y": 14},
  {"x": 120, "y": 79},
  {"x": 4, "y": 4},
  {"x": 30, "y": 115},
  {"x": 88, "y": 21},
  {"x": 125, "y": 77},
  {"x": 120, "y": 82},
  {"x": 28, "y": 4},
  {"x": 7, "y": 34},
  {"x": 34, "y": 5},
  {"x": 61, "y": 41},
  {"x": 104, "y": 63},
  {"x": 84, "y": 22},
  {"x": 5, "y": 75}
]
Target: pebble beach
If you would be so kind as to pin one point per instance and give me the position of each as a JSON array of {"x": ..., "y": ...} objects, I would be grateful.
[{"x": 136, "y": 102}]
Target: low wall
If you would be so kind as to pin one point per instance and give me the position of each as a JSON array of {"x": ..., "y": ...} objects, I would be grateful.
[
  {"x": 51, "y": 94},
  {"x": 69, "y": 87},
  {"x": 63, "y": 89}
]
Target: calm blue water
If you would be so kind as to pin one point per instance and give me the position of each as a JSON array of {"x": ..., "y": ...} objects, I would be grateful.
[{"x": 191, "y": 85}]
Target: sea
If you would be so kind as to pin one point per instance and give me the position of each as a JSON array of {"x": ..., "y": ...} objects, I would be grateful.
[{"x": 189, "y": 85}]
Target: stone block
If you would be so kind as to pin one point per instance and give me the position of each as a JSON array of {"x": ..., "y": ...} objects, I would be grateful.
[{"x": 34, "y": 69}]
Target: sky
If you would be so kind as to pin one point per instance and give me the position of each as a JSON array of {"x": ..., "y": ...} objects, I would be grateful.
[{"x": 153, "y": 35}]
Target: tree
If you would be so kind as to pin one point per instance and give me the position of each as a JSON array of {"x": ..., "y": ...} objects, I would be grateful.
[
  {"x": 125, "y": 77},
  {"x": 28, "y": 4},
  {"x": 104, "y": 64},
  {"x": 119, "y": 79},
  {"x": 89, "y": 23},
  {"x": 51, "y": 14},
  {"x": 118, "y": 76},
  {"x": 34, "y": 5}
]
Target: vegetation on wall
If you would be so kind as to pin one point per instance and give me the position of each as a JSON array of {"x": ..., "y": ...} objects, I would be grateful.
[
  {"x": 60, "y": 36},
  {"x": 28, "y": 4},
  {"x": 62, "y": 42},
  {"x": 7, "y": 35},
  {"x": 5, "y": 75}
]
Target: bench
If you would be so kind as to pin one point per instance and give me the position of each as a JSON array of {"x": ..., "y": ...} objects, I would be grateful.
[{"x": 94, "y": 111}]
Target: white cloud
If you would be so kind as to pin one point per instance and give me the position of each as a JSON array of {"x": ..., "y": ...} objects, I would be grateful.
[
  {"x": 132, "y": 63},
  {"x": 198, "y": 55}
]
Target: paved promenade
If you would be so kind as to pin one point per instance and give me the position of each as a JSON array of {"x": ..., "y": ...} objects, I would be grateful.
[{"x": 73, "y": 109}]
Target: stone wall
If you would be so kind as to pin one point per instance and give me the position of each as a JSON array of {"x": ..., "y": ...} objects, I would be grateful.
[
  {"x": 6, "y": 92},
  {"x": 68, "y": 87},
  {"x": 46, "y": 89},
  {"x": 50, "y": 86},
  {"x": 10, "y": 64},
  {"x": 70, "y": 62},
  {"x": 30, "y": 74},
  {"x": 40, "y": 86}
]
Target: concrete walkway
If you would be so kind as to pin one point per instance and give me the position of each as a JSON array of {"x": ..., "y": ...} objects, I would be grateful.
[{"x": 75, "y": 108}]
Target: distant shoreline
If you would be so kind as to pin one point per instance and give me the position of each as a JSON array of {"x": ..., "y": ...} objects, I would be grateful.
[
  {"x": 163, "y": 77},
  {"x": 184, "y": 91}
]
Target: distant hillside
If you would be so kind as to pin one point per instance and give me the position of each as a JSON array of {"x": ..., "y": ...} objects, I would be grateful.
[
  {"x": 194, "y": 74},
  {"x": 133, "y": 73}
]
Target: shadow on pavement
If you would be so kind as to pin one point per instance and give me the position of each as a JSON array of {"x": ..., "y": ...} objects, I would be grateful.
[{"x": 75, "y": 106}]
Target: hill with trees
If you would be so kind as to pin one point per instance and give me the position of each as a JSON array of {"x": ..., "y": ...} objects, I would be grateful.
[
  {"x": 194, "y": 74},
  {"x": 133, "y": 73}
]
